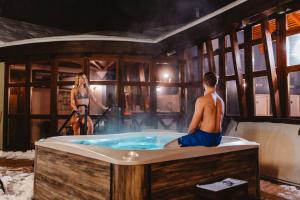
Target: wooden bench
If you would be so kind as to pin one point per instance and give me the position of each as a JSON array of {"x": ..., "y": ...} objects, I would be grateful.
[{"x": 226, "y": 189}]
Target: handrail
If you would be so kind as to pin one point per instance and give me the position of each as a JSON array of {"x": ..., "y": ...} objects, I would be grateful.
[
  {"x": 69, "y": 118},
  {"x": 101, "y": 116}
]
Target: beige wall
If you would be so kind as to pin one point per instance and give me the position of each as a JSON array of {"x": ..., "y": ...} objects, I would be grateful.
[
  {"x": 279, "y": 148},
  {"x": 1, "y": 102}
]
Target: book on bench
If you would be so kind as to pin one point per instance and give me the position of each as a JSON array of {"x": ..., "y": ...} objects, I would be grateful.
[{"x": 222, "y": 185}]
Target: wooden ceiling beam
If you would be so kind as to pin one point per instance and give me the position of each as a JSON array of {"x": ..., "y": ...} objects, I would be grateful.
[
  {"x": 236, "y": 57},
  {"x": 210, "y": 56},
  {"x": 271, "y": 68}
]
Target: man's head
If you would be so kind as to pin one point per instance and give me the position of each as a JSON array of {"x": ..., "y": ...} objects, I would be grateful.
[{"x": 210, "y": 80}]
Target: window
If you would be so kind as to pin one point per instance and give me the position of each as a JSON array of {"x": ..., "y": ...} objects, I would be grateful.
[
  {"x": 16, "y": 100},
  {"x": 229, "y": 64},
  {"x": 104, "y": 94},
  {"x": 68, "y": 69},
  {"x": 262, "y": 97},
  {"x": 17, "y": 74},
  {"x": 293, "y": 20},
  {"x": 168, "y": 99},
  {"x": 232, "y": 103},
  {"x": 294, "y": 98},
  {"x": 137, "y": 99},
  {"x": 167, "y": 73},
  {"x": 136, "y": 72},
  {"x": 102, "y": 70},
  {"x": 40, "y": 100},
  {"x": 293, "y": 50}
]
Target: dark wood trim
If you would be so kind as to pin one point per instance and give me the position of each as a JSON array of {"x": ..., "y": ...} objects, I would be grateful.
[
  {"x": 294, "y": 68},
  {"x": 222, "y": 71},
  {"x": 271, "y": 68},
  {"x": 103, "y": 82},
  {"x": 239, "y": 74},
  {"x": 201, "y": 63},
  {"x": 282, "y": 64},
  {"x": 211, "y": 60},
  {"x": 153, "y": 93},
  {"x": 136, "y": 83},
  {"x": 5, "y": 109},
  {"x": 260, "y": 73},
  {"x": 249, "y": 70},
  {"x": 53, "y": 102},
  {"x": 27, "y": 106}
]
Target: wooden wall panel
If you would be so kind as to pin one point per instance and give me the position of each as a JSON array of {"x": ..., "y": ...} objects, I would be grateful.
[
  {"x": 130, "y": 182},
  {"x": 61, "y": 175},
  {"x": 177, "y": 179}
]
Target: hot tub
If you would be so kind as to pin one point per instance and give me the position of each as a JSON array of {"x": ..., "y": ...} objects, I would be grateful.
[{"x": 135, "y": 166}]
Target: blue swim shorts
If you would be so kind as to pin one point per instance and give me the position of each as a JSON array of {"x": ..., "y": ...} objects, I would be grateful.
[{"x": 200, "y": 138}]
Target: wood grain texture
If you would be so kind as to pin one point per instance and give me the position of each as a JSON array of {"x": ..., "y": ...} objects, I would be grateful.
[
  {"x": 177, "y": 179},
  {"x": 61, "y": 175},
  {"x": 130, "y": 182}
]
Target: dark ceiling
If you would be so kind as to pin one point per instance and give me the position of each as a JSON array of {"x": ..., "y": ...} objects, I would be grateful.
[{"x": 79, "y": 16}]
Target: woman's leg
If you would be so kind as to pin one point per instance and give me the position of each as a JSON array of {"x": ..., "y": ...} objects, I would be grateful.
[
  {"x": 90, "y": 126},
  {"x": 76, "y": 125}
]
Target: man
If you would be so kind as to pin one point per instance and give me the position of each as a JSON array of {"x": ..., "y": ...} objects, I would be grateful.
[{"x": 205, "y": 128}]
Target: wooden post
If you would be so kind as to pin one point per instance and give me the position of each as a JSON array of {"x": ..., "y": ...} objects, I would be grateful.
[
  {"x": 53, "y": 102},
  {"x": 153, "y": 94},
  {"x": 27, "y": 127},
  {"x": 201, "y": 64},
  {"x": 5, "y": 109},
  {"x": 181, "y": 122},
  {"x": 249, "y": 70},
  {"x": 222, "y": 75},
  {"x": 282, "y": 64},
  {"x": 238, "y": 73},
  {"x": 210, "y": 53},
  {"x": 271, "y": 69}
]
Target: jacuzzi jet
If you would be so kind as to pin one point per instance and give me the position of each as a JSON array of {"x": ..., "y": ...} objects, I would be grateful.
[{"x": 131, "y": 156}]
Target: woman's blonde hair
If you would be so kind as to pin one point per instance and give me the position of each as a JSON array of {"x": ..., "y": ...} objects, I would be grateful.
[{"x": 76, "y": 83}]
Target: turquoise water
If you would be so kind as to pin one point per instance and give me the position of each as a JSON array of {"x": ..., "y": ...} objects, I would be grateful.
[{"x": 131, "y": 142}]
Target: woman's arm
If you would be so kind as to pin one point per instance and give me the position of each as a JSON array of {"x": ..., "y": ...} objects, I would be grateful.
[
  {"x": 90, "y": 92},
  {"x": 73, "y": 102}
]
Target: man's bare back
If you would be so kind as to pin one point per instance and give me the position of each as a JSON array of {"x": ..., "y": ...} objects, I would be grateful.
[
  {"x": 208, "y": 116},
  {"x": 205, "y": 128}
]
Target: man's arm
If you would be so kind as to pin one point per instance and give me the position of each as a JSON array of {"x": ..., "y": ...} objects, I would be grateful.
[{"x": 197, "y": 117}]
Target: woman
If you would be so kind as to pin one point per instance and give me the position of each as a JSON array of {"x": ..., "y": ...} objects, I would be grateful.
[{"x": 80, "y": 95}]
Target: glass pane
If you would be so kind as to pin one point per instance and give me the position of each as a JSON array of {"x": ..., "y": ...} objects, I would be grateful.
[
  {"x": 104, "y": 94},
  {"x": 240, "y": 37},
  {"x": 167, "y": 123},
  {"x": 17, "y": 74},
  {"x": 229, "y": 64},
  {"x": 216, "y": 58},
  {"x": 102, "y": 70},
  {"x": 215, "y": 44},
  {"x": 137, "y": 99},
  {"x": 68, "y": 69},
  {"x": 293, "y": 20},
  {"x": 242, "y": 56},
  {"x": 227, "y": 41},
  {"x": 40, "y": 128},
  {"x": 168, "y": 99},
  {"x": 259, "y": 61},
  {"x": 41, "y": 72},
  {"x": 262, "y": 96},
  {"x": 232, "y": 103},
  {"x": 192, "y": 73},
  {"x": 16, "y": 100},
  {"x": 40, "y": 100},
  {"x": 256, "y": 32},
  {"x": 294, "y": 99},
  {"x": 137, "y": 72},
  {"x": 293, "y": 50},
  {"x": 206, "y": 66},
  {"x": 17, "y": 135},
  {"x": 64, "y": 100},
  {"x": 167, "y": 73},
  {"x": 194, "y": 51}
]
